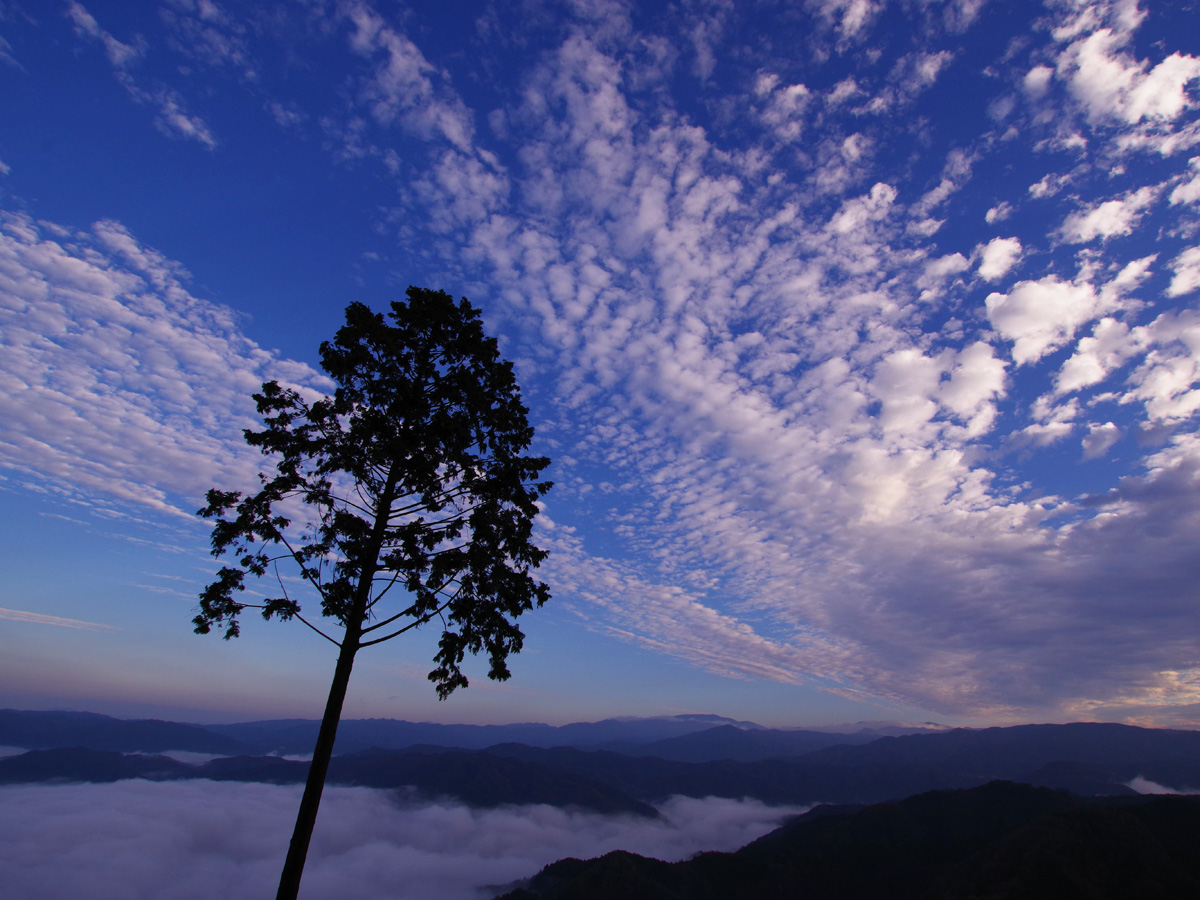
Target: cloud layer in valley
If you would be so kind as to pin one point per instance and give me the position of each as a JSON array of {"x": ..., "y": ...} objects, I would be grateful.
[{"x": 137, "y": 840}]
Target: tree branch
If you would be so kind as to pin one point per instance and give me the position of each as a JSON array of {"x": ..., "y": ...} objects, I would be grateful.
[
  {"x": 389, "y": 620},
  {"x": 304, "y": 571},
  {"x": 335, "y": 643},
  {"x": 409, "y": 627}
]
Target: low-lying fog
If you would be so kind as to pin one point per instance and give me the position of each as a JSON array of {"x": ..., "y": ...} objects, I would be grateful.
[{"x": 195, "y": 840}]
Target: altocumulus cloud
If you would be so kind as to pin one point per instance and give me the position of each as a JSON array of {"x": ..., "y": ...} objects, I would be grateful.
[
  {"x": 910, "y": 411},
  {"x": 138, "y": 840},
  {"x": 115, "y": 378}
]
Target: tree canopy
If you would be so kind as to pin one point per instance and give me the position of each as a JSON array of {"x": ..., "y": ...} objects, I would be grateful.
[{"x": 415, "y": 486}]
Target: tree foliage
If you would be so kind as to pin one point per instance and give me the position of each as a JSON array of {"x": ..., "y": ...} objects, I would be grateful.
[{"x": 415, "y": 486}]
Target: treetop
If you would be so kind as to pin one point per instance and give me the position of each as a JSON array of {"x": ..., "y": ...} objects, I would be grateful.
[{"x": 411, "y": 481}]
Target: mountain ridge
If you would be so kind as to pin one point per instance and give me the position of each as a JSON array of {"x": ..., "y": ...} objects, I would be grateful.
[
  {"x": 475, "y": 779},
  {"x": 42, "y": 729},
  {"x": 1090, "y": 759},
  {"x": 996, "y": 840}
]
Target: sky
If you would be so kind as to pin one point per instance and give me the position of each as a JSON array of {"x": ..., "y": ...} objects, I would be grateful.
[{"x": 863, "y": 334}]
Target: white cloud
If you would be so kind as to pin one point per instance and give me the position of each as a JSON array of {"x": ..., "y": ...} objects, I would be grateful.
[
  {"x": 1037, "y": 80},
  {"x": 1188, "y": 191},
  {"x": 999, "y": 212},
  {"x": 1100, "y": 439},
  {"x": 1110, "y": 83},
  {"x": 943, "y": 266},
  {"x": 784, "y": 105},
  {"x": 961, "y": 14},
  {"x": 6, "y": 56},
  {"x": 117, "y": 380},
  {"x": 673, "y": 620},
  {"x": 474, "y": 187},
  {"x": 119, "y": 55},
  {"x": 1186, "y": 267},
  {"x": 1111, "y": 218},
  {"x": 1163, "y": 94},
  {"x": 763, "y": 378},
  {"x": 173, "y": 119},
  {"x": 850, "y": 17},
  {"x": 937, "y": 271},
  {"x": 921, "y": 70},
  {"x": 1045, "y": 434},
  {"x": 844, "y": 90},
  {"x": 1048, "y": 185},
  {"x": 1162, "y": 140},
  {"x": 401, "y": 87},
  {"x": 1108, "y": 347},
  {"x": 1039, "y": 316},
  {"x": 1167, "y": 380},
  {"x": 906, "y": 382},
  {"x": 704, "y": 35},
  {"x": 212, "y": 36},
  {"x": 997, "y": 257},
  {"x": 856, "y": 213},
  {"x": 1131, "y": 276},
  {"x": 976, "y": 381}
]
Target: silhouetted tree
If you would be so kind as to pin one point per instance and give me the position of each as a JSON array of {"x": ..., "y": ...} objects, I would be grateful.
[{"x": 403, "y": 499}]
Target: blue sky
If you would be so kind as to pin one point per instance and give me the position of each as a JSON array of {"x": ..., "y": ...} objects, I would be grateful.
[{"x": 863, "y": 335}]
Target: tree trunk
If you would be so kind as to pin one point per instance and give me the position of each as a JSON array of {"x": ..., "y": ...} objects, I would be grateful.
[{"x": 306, "y": 818}]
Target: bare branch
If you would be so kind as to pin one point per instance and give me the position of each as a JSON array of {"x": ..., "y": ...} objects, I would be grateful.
[
  {"x": 409, "y": 627},
  {"x": 304, "y": 569},
  {"x": 336, "y": 643},
  {"x": 383, "y": 623},
  {"x": 391, "y": 583},
  {"x": 350, "y": 503}
]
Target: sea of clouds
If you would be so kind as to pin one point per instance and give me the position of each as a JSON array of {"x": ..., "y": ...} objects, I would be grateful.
[{"x": 197, "y": 840}]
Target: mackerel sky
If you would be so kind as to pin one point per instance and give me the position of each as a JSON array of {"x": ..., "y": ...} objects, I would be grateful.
[{"x": 864, "y": 336}]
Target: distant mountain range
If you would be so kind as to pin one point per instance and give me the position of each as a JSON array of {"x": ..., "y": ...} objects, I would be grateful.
[
  {"x": 1000, "y": 840},
  {"x": 36, "y": 730},
  {"x": 298, "y": 736},
  {"x": 687, "y": 738},
  {"x": 960, "y": 833},
  {"x": 696, "y": 758},
  {"x": 672, "y": 737}
]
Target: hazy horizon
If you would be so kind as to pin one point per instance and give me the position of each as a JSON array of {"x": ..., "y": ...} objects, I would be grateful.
[{"x": 133, "y": 715}]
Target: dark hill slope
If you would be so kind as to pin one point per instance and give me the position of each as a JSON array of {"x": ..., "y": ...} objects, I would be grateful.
[
  {"x": 1001, "y": 840},
  {"x": 777, "y": 781},
  {"x": 742, "y": 745},
  {"x": 43, "y": 730},
  {"x": 476, "y": 779},
  {"x": 69, "y": 764}
]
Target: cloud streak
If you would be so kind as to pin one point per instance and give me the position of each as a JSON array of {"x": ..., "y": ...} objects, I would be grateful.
[
  {"x": 20, "y": 615},
  {"x": 173, "y": 117}
]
